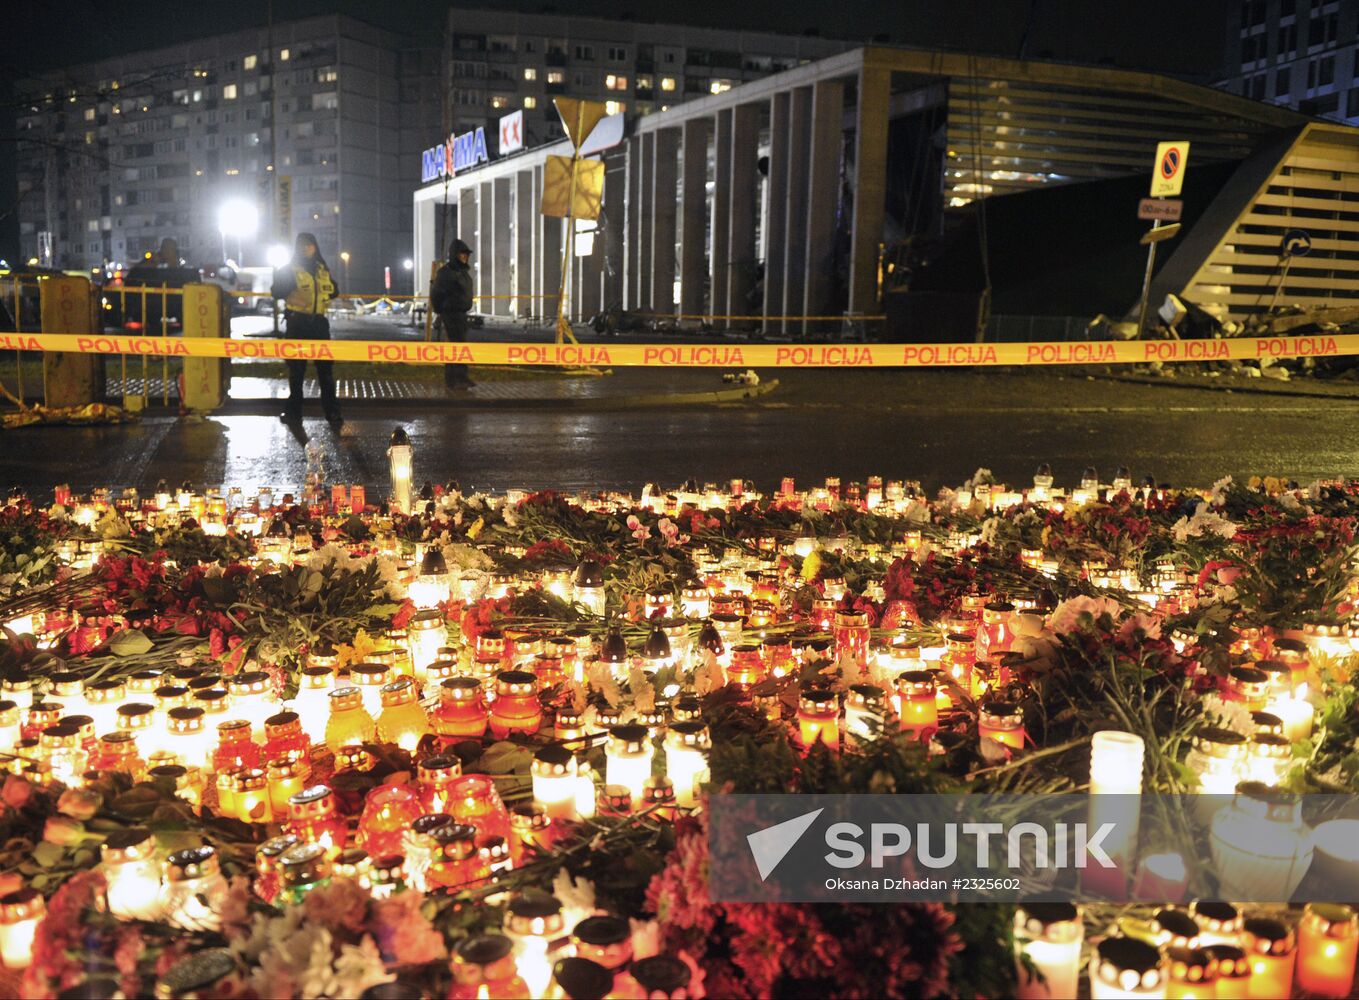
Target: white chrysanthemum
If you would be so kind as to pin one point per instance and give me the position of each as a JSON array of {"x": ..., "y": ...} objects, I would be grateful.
[
  {"x": 1233, "y": 715},
  {"x": 465, "y": 557},
  {"x": 1204, "y": 523},
  {"x": 577, "y": 896},
  {"x": 1217, "y": 496},
  {"x": 360, "y": 967}
]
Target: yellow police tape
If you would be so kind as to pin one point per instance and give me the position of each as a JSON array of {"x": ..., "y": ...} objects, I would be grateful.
[{"x": 696, "y": 355}]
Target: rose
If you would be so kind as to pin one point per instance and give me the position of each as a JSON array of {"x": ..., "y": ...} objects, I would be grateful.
[
  {"x": 16, "y": 792},
  {"x": 63, "y": 831},
  {"x": 78, "y": 803}
]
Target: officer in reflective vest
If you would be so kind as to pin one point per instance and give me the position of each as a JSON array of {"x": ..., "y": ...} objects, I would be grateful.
[{"x": 306, "y": 288}]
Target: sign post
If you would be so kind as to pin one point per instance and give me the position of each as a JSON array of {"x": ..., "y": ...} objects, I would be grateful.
[
  {"x": 1167, "y": 180},
  {"x": 581, "y": 193}
]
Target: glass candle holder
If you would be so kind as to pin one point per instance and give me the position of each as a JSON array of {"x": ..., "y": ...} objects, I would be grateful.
[
  {"x": 1327, "y": 940},
  {"x": 686, "y": 760},
  {"x": 1232, "y": 972},
  {"x": 818, "y": 718},
  {"x": 103, "y": 698},
  {"x": 369, "y": 678},
  {"x": 426, "y": 635},
  {"x": 865, "y": 711},
  {"x": 350, "y": 721},
  {"x": 268, "y": 871},
  {"x": 435, "y": 777},
  {"x": 1218, "y": 758},
  {"x": 387, "y": 875},
  {"x": 312, "y": 704},
  {"x": 461, "y": 713},
  {"x": 604, "y": 939},
  {"x": 960, "y": 653},
  {"x": 476, "y": 802},
  {"x": 1191, "y": 974},
  {"x": 133, "y": 873},
  {"x": 628, "y": 758},
  {"x": 304, "y": 868},
  {"x": 117, "y": 754},
  {"x": 252, "y": 698},
  {"x": 1219, "y": 922},
  {"x": 418, "y": 846},
  {"x": 918, "y": 701},
  {"x": 192, "y": 890},
  {"x": 403, "y": 720},
  {"x": 284, "y": 737},
  {"x": 235, "y": 747},
  {"x": 1123, "y": 967},
  {"x": 20, "y": 913},
  {"x": 554, "y": 781},
  {"x": 63, "y": 757},
  {"x": 530, "y": 829},
  {"x": 1272, "y": 948},
  {"x": 534, "y": 922},
  {"x": 516, "y": 708},
  {"x": 1174, "y": 927},
  {"x": 388, "y": 812},
  {"x": 313, "y": 819},
  {"x": 250, "y": 796},
  {"x": 483, "y": 967},
  {"x": 851, "y": 635},
  {"x": 1248, "y": 685},
  {"x": 286, "y": 776},
  {"x": 1001, "y": 722},
  {"x": 1049, "y": 936},
  {"x": 1268, "y": 758}
]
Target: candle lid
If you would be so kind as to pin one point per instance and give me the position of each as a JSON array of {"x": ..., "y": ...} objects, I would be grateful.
[
  {"x": 629, "y": 739},
  {"x": 582, "y": 979},
  {"x": 1267, "y": 802},
  {"x": 213, "y": 701},
  {"x": 1190, "y": 965},
  {"x": 389, "y": 869},
  {"x": 275, "y": 846},
  {"x": 399, "y": 692},
  {"x": 615, "y": 800},
  {"x": 1179, "y": 924},
  {"x": 1267, "y": 722},
  {"x": 315, "y": 677},
  {"x": 998, "y": 713},
  {"x": 21, "y": 904},
  {"x": 691, "y": 735},
  {"x": 205, "y": 682},
  {"x": 1127, "y": 963},
  {"x": 1334, "y": 920},
  {"x": 1267, "y": 936},
  {"x": 233, "y": 729},
  {"x": 133, "y": 844},
  {"x": 248, "y": 682},
  {"x": 282, "y": 725},
  {"x": 426, "y": 621},
  {"x": 553, "y": 760},
  {"x": 195, "y": 972},
  {"x": 311, "y": 803},
  {"x": 304, "y": 864},
  {"x": 369, "y": 674},
  {"x": 536, "y": 913},
  {"x": 1231, "y": 961},
  {"x": 1215, "y": 741},
  {"x": 515, "y": 683},
  {"x": 455, "y": 841},
  {"x": 1057, "y": 922},
  {"x": 196, "y": 862},
  {"x": 602, "y": 930},
  {"x": 818, "y": 701},
  {"x": 185, "y": 719},
  {"x": 345, "y": 698},
  {"x": 1216, "y": 916},
  {"x": 1270, "y": 745},
  {"x": 664, "y": 974},
  {"x": 483, "y": 949}
]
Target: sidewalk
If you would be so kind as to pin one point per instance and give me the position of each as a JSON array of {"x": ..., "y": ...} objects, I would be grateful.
[{"x": 625, "y": 388}]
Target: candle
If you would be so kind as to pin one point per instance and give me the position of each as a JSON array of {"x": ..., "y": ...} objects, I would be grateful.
[
  {"x": 483, "y": 967},
  {"x": 133, "y": 874},
  {"x": 1297, "y": 715},
  {"x": 1327, "y": 941},
  {"x": 461, "y": 712},
  {"x": 1337, "y": 854},
  {"x": 268, "y": 870},
  {"x": 403, "y": 720},
  {"x": 686, "y": 761},
  {"x": 426, "y": 635},
  {"x": 432, "y": 586},
  {"x": 1218, "y": 758},
  {"x": 435, "y": 778},
  {"x": 193, "y": 888},
  {"x": 1261, "y": 848},
  {"x": 312, "y": 818},
  {"x": 250, "y": 796},
  {"x": 1000, "y": 722},
  {"x": 1219, "y": 922},
  {"x": 1048, "y": 936},
  {"x": 312, "y": 703},
  {"x": 286, "y": 778},
  {"x": 662, "y": 977},
  {"x": 368, "y": 679},
  {"x": 919, "y": 703},
  {"x": 20, "y": 913},
  {"x": 554, "y": 781},
  {"x": 1233, "y": 972},
  {"x": 628, "y": 758},
  {"x": 304, "y": 867},
  {"x": 1191, "y": 974},
  {"x": 588, "y": 587},
  {"x": 533, "y": 922},
  {"x": 516, "y": 708},
  {"x": 252, "y": 699},
  {"x": 1175, "y": 928},
  {"x": 1123, "y": 967},
  {"x": 350, "y": 721},
  {"x": 1268, "y": 758},
  {"x": 1272, "y": 948}
]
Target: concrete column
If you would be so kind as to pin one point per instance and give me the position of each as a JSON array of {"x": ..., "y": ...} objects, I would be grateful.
[
  {"x": 612, "y": 226},
  {"x": 591, "y": 269},
  {"x": 525, "y": 205},
  {"x": 632, "y": 241},
  {"x": 870, "y": 187},
  {"x": 550, "y": 257},
  {"x": 720, "y": 259},
  {"x": 776, "y": 214},
  {"x": 503, "y": 217},
  {"x": 693, "y": 215},
  {"x": 484, "y": 247},
  {"x": 745, "y": 148},
  {"x": 828, "y": 101},
  {"x": 468, "y": 221},
  {"x": 664, "y": 195},
  {"x": 797, "y": 154},
  {"x": 645, "y": 226}
]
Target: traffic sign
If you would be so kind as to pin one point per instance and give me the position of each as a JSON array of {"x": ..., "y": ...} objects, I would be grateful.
[
  {"x": 1158, "y": 233},
  {"x": 1296, "y": 243},
  {"x": 1167, "y": 175},
  {"x": 1160, "y": 209}
]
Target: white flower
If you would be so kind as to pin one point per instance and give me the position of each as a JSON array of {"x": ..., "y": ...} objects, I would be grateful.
[
  {"x": 1066, "y": 616},
  {"x": 112, "y": 525},
  {"x": 1204, "y": 522},
  {"x": 643, "y": 693},
  {"x": 1217, "y": 496},
  {"x": 577, "y": 896},
  {"x": 511, "y": 517},
  {"x": 459, "y": 556},
  {"x": 1233, "y": 715},
  {"x": 359, "y": 967},
  {"x": 646, "y": 938},
  {"x": 600, "y": 676},
  {"x": 1290, "y": 502}
]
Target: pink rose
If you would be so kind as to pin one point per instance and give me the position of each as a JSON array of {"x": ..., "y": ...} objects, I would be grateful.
[{"x": 1227, "y": 575}]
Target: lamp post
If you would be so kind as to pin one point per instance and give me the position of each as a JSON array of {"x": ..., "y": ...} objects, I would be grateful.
[
  {"x": 409, "y": 266},
  {"x": 344, "y": 259}
]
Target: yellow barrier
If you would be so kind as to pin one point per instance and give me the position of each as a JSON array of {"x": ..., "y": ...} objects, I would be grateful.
[{"x": 697, "y": 355}]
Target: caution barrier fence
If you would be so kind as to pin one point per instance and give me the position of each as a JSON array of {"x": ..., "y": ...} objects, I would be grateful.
[{"x": 697, "y": 355}]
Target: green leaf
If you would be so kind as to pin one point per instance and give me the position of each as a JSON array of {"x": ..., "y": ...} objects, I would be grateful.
[
  {"x": 48, "y": 854},
  {"x": 505, "y": 757},
  {"x": 132, "y": 642}
]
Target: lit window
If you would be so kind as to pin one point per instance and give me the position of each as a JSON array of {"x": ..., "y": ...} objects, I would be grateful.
[
  {"x": 530, "y": 102},
  {"x": 250, "y": 61},
  {"x": 555, "y": 76},
  {"x": 615, "y": 82},
  {"x": 530, "y": 73},
  {"x": 614, "y": 107},
  {"x": 89, "y": 114},
  {"x": 500, "y": 101},
  {"x": 644, "y": 83},
  {"x": 719, "y": 86},
  {"x": 89, "y": 138},
  {"x": 667, "y": 83},
  {"x": 284, "y": 55},
  {"x": 229, "y": 92}
]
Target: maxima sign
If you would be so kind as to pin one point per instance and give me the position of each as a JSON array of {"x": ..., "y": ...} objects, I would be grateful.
[{"x": 458, "y": 152}]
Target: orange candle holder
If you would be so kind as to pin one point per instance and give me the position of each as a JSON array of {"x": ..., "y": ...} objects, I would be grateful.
[
  {"x": 516, "y": 708},
  {"x": 1328, "y": 937},
  {"x": 818, "y": 716},
  {"x": 461, "y": 713},
  {"x": 918, "y": 703}
]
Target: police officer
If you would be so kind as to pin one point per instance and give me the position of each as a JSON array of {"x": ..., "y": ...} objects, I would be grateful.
[
  {"x": 451, "y": 298},
  {"x": 306, "y": 287}
]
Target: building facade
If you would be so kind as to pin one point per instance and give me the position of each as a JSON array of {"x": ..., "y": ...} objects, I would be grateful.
[
  {"x": 1297, "y": 53},
  {"x": 298, "y": 128},
  {"x": 496, "y": 62}
]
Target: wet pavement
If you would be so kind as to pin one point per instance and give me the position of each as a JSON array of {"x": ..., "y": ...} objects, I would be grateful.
[{"x": 935, "y": 426}]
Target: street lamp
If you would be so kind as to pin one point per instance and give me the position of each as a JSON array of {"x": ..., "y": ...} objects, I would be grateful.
[
  {"x": 238, "y": 218},
  {"x": 344, "y": 259},
  {"x": 409, "y": 266},
  {"x": 277, "y": 255}
]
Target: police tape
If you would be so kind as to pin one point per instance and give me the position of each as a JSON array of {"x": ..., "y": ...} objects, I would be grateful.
[{"x": 695, "y": 355}]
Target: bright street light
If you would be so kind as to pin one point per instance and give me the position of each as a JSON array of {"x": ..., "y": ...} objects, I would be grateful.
[
  {"x": 344, "y": 256},
  {"x": 239, "y": 218},
  {"x": 408, "y": 264},
  {"x": 277, "y": 255}
]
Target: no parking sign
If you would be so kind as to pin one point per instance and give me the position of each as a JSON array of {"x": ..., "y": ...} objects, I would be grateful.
[{"x": 1167, "y": 176}]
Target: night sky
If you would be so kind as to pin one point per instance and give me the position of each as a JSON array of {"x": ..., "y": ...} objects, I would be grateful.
[{"x": 1184, "y": 37}]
